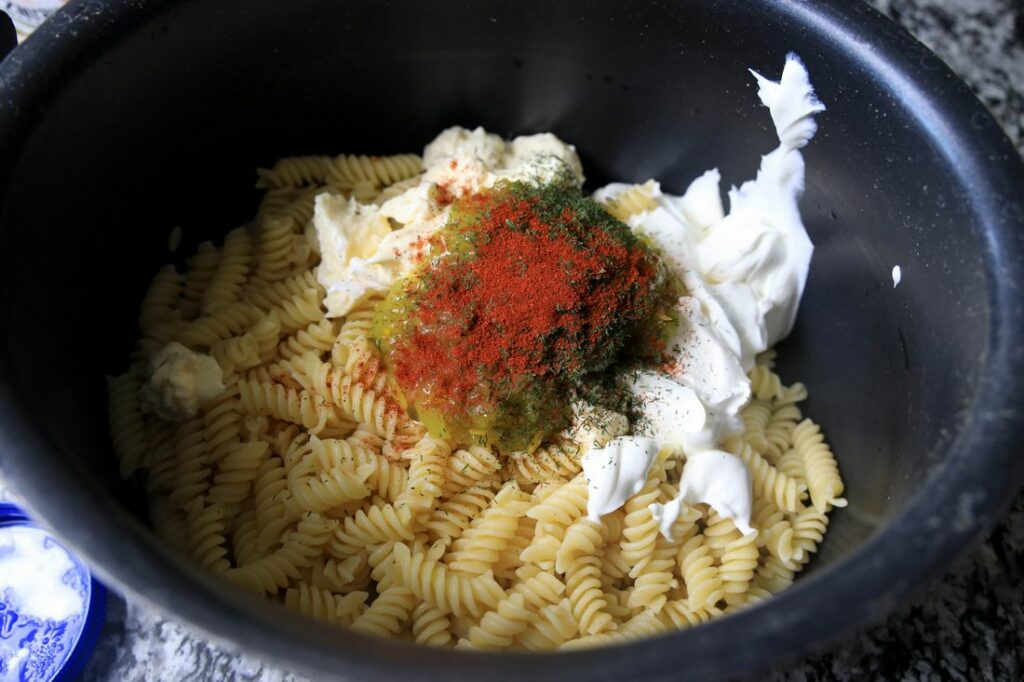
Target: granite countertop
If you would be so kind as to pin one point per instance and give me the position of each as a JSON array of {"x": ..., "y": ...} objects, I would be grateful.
[{"x": 969, "y": 625}]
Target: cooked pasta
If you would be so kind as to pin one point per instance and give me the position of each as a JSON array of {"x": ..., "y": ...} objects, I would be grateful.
[{"x": 308, "y": 479}]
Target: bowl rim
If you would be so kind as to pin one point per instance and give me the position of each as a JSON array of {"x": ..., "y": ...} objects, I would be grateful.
[{"x": 950, "y": 511}]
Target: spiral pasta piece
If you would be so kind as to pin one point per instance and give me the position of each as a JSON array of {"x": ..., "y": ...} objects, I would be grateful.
[
  {"x": 499, "y": 628},
  {"x": 388, "y": 614},
  {"x": 426, "y": 474},
  {"x": 823, "y": 479},
  {"x": 127, "y": 428},
  {"x": 274, "y": 247},
  {"x": 703, "y": 584},
  {"x": 430, "y": 626},
  {"x": 386, "y": 479},
  {"x": 679, "y": 615},
  {"x": 232, "y": 271},
  {"x": 159, "y": 317},
  {"x": 774, "y": 575},
  {"x": 432, "y": 582},
  {"x": 646, "y": 624},
  {"x": 771, "y": 483},
  {"x": 554, "y": 515},
  {"x": 452, "y": 516},
  {"x": 641, "y": 529},
  {"x": 792, "y": 464},
  {"x": 469, "y": 468},
  {"x": 201, "y": 267},
  {"x": 316, "y": 337},
  {"x": 654, "y": 579},
  {"x": 230, "y": 319},
  {"x": 477, "y": 550},
  {"x": 358, "y": 324},
  {"x": 275, "y": 571},
  {"x": 553, "y": 626},
  {"x": 323, "y": 605},
  {"x": 510, "y": 560},
  {"x": 757, "y": 415},
  {"x": 294, "y": 171},
  {"x": 235, "y": 473},
  {"x": 331, "y": 489},
  {"x": 632, "y": 201},
  {"x": 809, "y": 528},
  {"x": 347, "y": 575},
  {"x": 298, "y": 407},
  {"x": 348, "y": 170},
  {"x": 206, "y": 541},
  {"x": 550, "y": 462},
  {"x": 578, "y": 558},
  {"x": 372, "y": 526},
  {"x": 779, "y": 431},
  {"x": 191, "y": 471},
  {"x": 270, "y": 296},
  {"x": 738, "y": 562}
]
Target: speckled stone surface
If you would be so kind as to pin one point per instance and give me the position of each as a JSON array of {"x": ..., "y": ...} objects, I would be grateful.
[{"x": 967, "y": 626}]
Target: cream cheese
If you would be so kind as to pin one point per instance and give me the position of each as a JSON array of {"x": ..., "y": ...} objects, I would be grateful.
[
  {"x": 365, "y": 248},
  {"x": 180, "y": 382}
]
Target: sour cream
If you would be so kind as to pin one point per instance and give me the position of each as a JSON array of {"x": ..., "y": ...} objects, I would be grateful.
[
  {"x": 616, "y": 472},
  {"x": 744, "y": 272},
  {"x": 716, "y": 478}
]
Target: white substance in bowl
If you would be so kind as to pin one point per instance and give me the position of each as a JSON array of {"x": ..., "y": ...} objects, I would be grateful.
[
  {"x": 744, "y": 272},
  {"x": 180, "y": 382}
]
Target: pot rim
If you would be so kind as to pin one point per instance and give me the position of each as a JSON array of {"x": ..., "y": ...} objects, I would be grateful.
[{"x": 939, "y": 522}]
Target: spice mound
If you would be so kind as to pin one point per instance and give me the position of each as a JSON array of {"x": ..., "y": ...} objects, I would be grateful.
[{"x": 531, "y": 290}]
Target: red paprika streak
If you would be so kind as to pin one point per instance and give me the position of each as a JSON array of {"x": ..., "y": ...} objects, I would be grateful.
[{"x": 530, "y": 305}]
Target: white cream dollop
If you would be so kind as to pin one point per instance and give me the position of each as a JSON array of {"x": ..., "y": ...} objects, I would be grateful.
[
  {"x": 525, "y": 149},
  {"x": 616, "y": 472},
  {"x": 180, "y": 382},
  {"x": 716, "y": 478},
  {"x": 349, "y": 233},
  {"x": 458, "y": 142},
  {"x": 744, "y": 272}
]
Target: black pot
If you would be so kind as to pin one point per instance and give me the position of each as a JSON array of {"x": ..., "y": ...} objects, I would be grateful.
[{"x": 120, "y": 119}]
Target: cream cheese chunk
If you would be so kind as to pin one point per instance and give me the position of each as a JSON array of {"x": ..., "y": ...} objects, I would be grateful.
[
  {"x": 365, "y": 248},
  {"x": 180, "y": 382}
]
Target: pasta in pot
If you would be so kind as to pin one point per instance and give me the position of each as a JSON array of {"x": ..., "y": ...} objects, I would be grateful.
[{"x": 307, "y": 480}]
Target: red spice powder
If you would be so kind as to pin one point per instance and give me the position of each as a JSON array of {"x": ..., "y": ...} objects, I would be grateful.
[{"x": 531, "y": 303}]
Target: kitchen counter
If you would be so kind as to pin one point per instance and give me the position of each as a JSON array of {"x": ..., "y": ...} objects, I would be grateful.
[{"x": 969, "y": 625}]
